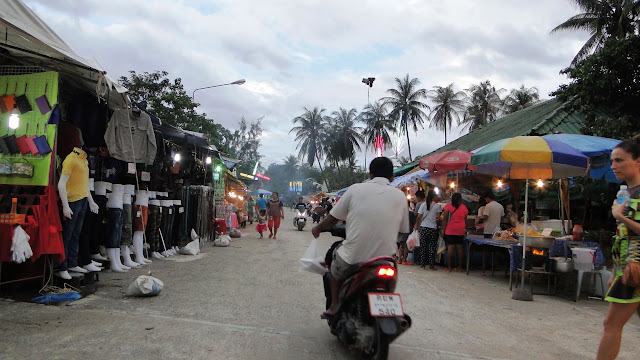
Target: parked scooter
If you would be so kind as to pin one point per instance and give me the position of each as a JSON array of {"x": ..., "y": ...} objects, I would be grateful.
[
  {"x": 370, "y": 314},
  {"x": 300, "y": 219}
]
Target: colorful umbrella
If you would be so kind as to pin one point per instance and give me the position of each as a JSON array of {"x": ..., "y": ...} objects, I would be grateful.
[
  {"x": 526, "y": 157},
  {"x": 598, "y": 149},
  {"x": 446, "y": 161}
]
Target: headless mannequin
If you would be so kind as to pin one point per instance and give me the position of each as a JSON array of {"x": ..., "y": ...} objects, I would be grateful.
[
  {"x": 101, "y": 192},
  {"x": 68, "y": 213},
  {"x": 115, "y": 203},
  {"x": 93, "y": 265},
  {"x": 176, "y": 206},
  {"x": 166, "y": 217},
  {"x": 154, "y": 225},
  {"x": 124, "y": 248},
  {"x": 140, "y": 213}
]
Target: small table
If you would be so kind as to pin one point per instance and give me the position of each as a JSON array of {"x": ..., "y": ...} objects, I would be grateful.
[{"x": 481, "y": 240}]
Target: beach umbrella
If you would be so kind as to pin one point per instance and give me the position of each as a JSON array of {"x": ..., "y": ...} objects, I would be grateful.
[
  {"x": 446, "y": 161},
  {"x": 529, "y": 157},
  {"x": 262, "y": 191}
]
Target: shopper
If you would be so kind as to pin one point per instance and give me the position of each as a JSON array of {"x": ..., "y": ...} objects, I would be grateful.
[
  {"x": 455, "y": 214},
  {"x": 419, "y": 255},
  {"x": 624, "y": 299},
  {"x": 275, "y": 211},
  {"x": 262, "y": 222},
  {"x": 250, "y": 209},
  {"x": 491, "y": 215},
  {"x": 403, "y": 250},
  {"x": 261, "y": 204},
  {"x": 427, "y": 222}
]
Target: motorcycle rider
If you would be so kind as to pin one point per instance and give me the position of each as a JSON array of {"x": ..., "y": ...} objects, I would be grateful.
[
  {"x": 375, "y": 215},
  {"x": 300, "y": 202}
]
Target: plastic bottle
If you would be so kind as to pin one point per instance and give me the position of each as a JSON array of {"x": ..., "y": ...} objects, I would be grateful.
[
  {"x": 623, "y": 194},
  {"x": 577, "y": 232}
]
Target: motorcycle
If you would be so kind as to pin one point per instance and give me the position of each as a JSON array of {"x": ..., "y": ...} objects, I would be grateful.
[
  {"x": 300, "y": 219},
  {"x": 370, "y": 314}
]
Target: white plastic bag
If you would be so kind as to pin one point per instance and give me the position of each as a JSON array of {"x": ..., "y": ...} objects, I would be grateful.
[
  {"x": 20, "y": 248},
  {"x": 222, "y": 240},
  {"x": 144, "y": 285},
  {"x": 312, "y": 258},
  {"x": 413, "y": 241},
  {"x": 235, "y": 233},
  {"x": 192, "y": 248},
  {"x": 441, "y": 245}
]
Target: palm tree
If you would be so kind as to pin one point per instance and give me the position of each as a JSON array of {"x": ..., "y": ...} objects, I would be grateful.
[
  {"x": 484, "y": 105},
  {"x": 406, "y": 108},
  {"x": 290, "y": 162},
  {"x": 520, "y": 99},
  {"x": 447, "y": 104},
  {"x": 345, "y": 136},
  {"x": 603, "y": 19},
  {"x": 310, "y": 135},
  {"x": 377, "y": 123}
]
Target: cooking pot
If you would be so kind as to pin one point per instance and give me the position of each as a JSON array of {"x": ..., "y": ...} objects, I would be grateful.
[
  {"x": 538, "y": 241},
  {"x": 562, "y": 265}
]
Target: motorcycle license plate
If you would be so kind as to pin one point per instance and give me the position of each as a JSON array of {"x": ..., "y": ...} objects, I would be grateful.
[{"x": 385, "y": 304}]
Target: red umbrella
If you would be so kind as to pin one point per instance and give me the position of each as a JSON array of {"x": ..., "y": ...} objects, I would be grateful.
[{"x": 446, "y": 161}]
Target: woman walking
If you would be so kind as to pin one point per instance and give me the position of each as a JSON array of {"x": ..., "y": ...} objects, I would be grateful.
[
  {"x": 623, "y": 298},
  {"x": 428, "y": 219},
  {"x": 454, "y": 217},
  {"x": 250, "y": 209}
]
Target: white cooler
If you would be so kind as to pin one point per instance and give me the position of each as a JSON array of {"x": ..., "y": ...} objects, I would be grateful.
[{"x": 583, "y": 258}]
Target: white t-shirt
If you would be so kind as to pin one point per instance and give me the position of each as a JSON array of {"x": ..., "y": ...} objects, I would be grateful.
[
  {"x": 375, "y": 213},
  {"x": 495, "y": 212},
  {"x": 429, "y": 217}
]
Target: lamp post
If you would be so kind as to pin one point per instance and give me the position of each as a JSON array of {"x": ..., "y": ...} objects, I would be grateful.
[{"x": 237, "y": 82}]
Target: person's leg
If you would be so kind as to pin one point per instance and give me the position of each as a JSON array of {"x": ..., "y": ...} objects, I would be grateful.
[
  {"x": 614, "y": 322},
  {"x": 449, "y": 257},
  {"x": 270, "y": 226},
  {"x": 424, "y": 238},
  {"x": 276, "y": 225},
  {"x": 433, "y": 241},
  {"x": 460, "y": 257}
]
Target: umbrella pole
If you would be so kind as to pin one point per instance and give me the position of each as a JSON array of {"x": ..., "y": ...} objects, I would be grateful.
[{"x": 523, "y": 294}]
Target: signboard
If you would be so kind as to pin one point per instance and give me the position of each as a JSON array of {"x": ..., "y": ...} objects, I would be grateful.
[
  {"x": 295, "y": 186},
  {"x": 248, "y": 176},
  {"x": 263, "y": 177}
]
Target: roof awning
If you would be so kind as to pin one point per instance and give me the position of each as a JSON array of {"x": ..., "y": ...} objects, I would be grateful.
[{"x": 25, "y": 35}]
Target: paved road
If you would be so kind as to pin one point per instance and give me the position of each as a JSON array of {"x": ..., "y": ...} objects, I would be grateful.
[{"x": 248, "y": 301}]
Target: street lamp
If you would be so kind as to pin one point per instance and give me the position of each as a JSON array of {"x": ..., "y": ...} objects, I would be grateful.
[{"x": 237, "y": 82}]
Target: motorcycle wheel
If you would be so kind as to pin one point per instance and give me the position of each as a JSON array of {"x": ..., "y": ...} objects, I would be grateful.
[
  {"x": 381, "y": 348},
  {"x": 300, "y": 226}
]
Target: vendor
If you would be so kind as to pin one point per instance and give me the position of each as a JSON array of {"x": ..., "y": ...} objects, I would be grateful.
[{"x": 491, "y": 215}]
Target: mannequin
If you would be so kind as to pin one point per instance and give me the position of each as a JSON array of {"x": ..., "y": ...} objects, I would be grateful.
[
  {"x": 167, "y": 249},
  {"x": 98, "y": 240},
  {"x": 126, "y": 239},
  {"x": 73, "y": 187},
  {"x": 154, "y": 221},
  {"x": 114, "y": 228},
  {"x": 177, "y": 205},
  {"x": 87, "y": 238},
  {"x": 141, "y": 214}
]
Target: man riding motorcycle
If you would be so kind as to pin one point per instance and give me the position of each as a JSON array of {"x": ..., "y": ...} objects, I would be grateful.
[{"x": 375, "y": 214}]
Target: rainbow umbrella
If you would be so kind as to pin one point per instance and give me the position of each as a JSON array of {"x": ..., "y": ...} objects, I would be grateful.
[{"x": 526, "y": 157}]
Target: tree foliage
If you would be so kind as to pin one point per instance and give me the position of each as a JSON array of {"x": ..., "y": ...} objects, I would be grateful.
[
  {"x": 447, "y": 104},
  {"x": 244, "y": 144},
  {"x": 606, "y": 88},
  {"x": 519, "y": 99},
  {"x": 484, "y": 105}
]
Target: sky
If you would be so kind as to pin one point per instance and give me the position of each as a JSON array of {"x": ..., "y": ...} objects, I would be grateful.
[{"x": 312, "y": 53}]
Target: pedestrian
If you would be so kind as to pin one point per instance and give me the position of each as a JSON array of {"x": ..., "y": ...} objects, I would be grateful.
[
  {"x": 262, "y": 222},
  {"x": 403, "y": 250},
  {"x": 491, "y": 215},
  {"x": 275, "y": 211},
  {"x": 623, "y": 298},
  {"x": 419, "y": 253},
  {"x": 261, "y": 204},
  {"x": 428, "y": 223},
  {"x": 455, "y": 214},
  {"x": 250, "y": 209}
]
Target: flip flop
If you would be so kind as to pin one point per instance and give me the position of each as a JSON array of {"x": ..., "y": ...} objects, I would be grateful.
[
  {"x": 326, "y": 316},
  {"x": 270, "y": 236}
]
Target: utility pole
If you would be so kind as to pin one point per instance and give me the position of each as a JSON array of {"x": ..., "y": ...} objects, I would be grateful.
[{"x": 367, "y": 81}]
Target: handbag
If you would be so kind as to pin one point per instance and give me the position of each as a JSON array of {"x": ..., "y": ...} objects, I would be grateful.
[
  {"x": 23, "y": 103},
  {"x": 631, "y": 274},
  {"x": 22, "y": 169},
  {"x": 12, "y": 145},
  {"x": 42, "y": 102},
  {"x": 3, "y": 105},
  {"x": 42, "y": 144},
  {"x": 5, "y": 167}
]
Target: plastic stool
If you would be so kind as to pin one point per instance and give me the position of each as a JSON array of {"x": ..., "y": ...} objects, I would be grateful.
[{"x": 579, "y": 281}]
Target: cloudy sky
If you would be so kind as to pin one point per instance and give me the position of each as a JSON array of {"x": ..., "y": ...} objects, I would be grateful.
[{"x": 315, "y": 52}]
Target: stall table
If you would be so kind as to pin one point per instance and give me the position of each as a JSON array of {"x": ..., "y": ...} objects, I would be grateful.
[{"x": 473, "y": 239}]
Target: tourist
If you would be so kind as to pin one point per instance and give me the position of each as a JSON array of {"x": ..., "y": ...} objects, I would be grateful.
[
  {"x": 261, "y": 204},
  {"x": 455, "y": 214},
  {"x": 492, "y": 215},
  {"x": 250, "y": 209},
  {"x": 275, "y": 211},
  {"x": 419, "y": 255},
  {"x": 427, "y": 222},
  {"x": 623, "y": 299}
]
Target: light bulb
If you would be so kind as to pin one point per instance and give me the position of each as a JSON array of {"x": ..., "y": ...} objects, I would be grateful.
[
  {"x": 218, "y": 168},
  {"x": 437, "y": 191},
  {"x": 14, "y": 119},
  {"x": 176, "y": 157},
  {"x": 408, "y": 197},
  {"x": 208, "y": 160},
  {"x": 499, "y": 183},
  {"x": 453, "y": 185},
  {"x": 540, "y": 183}
]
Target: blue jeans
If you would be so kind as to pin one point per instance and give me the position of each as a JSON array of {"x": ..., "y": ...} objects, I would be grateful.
[
  {"x": 114, "y": 228},
  {"x": 71, "y": 229}
]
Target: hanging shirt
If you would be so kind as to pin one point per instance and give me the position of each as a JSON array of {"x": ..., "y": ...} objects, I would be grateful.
[
  {"x": 75, "y": 165},
  {"x": 128, "y": 135}
]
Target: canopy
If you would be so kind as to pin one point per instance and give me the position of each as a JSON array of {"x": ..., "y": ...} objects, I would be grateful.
[
  {"x": 408, "y": 179},
  {"x": 26, "y": 35},
  {"x": 262, "y": 191},
  {"x": 446, "y": 161}
]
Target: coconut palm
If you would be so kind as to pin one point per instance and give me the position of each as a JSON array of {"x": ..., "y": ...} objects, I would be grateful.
[
  {"x": 484, "y": 105},
  {"x": 377, "y": 123},
  {"x": 310, "y": 135},
  {"x": 344, "y": 137},
  {"x": 603, "y": 19},
  {"x": 448, "y": 103},
  {"x": 407, "y": 109},
  {"x": 519, "y": 99}
]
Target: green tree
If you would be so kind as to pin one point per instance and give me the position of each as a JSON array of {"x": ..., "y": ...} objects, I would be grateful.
[
  {"x": 448, "y": 103},
  {"x": 244, "y": 144},
  {"x": 310, "y": 134},
  {"x": 606, "y": 88},
  {"x": 407, "y": 109},
  {"x": 603, "y": 19},
  {"x": 377, "y": 123},
  {"x": 346, "y": 134},
  {"x": 519, "y": 99},
  {"x": 168, "y": 100},
  {"x": 484, "y": 105}
]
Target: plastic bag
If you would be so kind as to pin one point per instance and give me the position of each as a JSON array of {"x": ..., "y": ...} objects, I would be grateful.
[
  {"x": 192, "y": 248},
  {"x": 235, "y": 233},
  {"x": 20, "y": 248},
  {"x": 413, "y": 241},
  {"x": 441, "y": 245},
  {"x": 53, "y": 299},
  {"x": 222, "y": 240},
  {"x": 311, "y": 259},
  {"x": 144, "y": 285}
]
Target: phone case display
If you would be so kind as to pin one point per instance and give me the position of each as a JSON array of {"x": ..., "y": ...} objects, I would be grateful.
[{"x": 27, "y": 150}]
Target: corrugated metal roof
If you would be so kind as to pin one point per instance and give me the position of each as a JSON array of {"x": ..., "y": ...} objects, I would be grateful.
[{"x": 546, "y": 117}]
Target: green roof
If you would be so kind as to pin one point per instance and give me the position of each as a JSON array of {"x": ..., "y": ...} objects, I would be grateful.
[{"x": 546, "y": 117}]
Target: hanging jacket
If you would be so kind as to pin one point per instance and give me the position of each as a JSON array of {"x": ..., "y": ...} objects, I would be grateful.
[{"x": 124, "y": 128}]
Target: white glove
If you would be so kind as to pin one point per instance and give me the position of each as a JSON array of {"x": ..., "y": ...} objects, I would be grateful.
[{"x": 20, "y": 248}]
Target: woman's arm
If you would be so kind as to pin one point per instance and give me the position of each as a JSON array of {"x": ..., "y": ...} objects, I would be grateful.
[{"x": 445, "y": 220}]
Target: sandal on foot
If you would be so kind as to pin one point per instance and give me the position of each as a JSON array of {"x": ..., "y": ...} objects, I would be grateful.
[{"x": 326, "y": 316}]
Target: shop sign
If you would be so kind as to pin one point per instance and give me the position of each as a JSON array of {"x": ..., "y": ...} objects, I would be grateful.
[
  {"x": 263, "y": 177},
  {"x": 145, "y": 176},
  {"x": 131, "y": 168}
]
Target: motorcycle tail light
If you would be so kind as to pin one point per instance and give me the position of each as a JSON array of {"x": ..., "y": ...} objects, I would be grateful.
[{"x": 386, "y": 271}]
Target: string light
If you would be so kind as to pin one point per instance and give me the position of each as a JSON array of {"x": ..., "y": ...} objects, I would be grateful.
[
  {"x": 14, "y": 119},
  {"x": 176, "y": 157},
  {"x": 453, "y": 185},
  {"x": 540, "y": 183},
  {"x": 208, "y": 160},
  {"x": 499, "y": 183}
]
